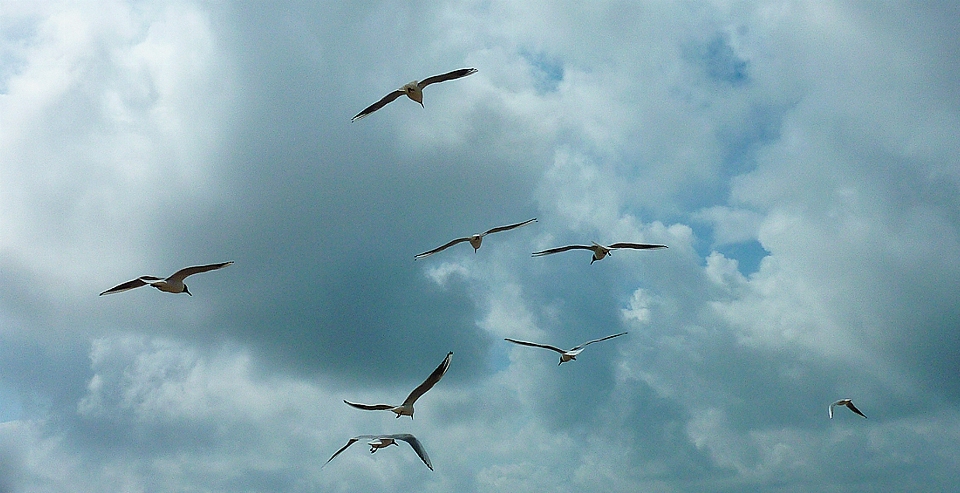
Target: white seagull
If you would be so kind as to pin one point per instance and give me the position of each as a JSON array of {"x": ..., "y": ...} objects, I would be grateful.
[
  {"x": 474, "y": 240},
  {"x": 382, "y": 441},
  {"x": 564, "y": 355},
  {"x": 599, "y": 251},
  {"x": 844, "y": 402},
  {"x": 414, "y": 90},
  {"x": 406, "y": 409},
  {"x": 172, "y": 284}
]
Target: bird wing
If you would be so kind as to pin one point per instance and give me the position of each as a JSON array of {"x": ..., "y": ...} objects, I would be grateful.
[
  {"x": 430, "y": 381},
  {"x": 379, "y": 104},
  {"x": 853, "y": 408},
  {"x": 349, "y": 443},
  {"x": 504, "y": 228},
  {"x": 535, "y": 344},
  {"x": 561, "y": 249},
  {"x": 369, "y": 407},
  {"x": 415, "y": 444},
  {"x": 597, "y": 340},
  {"x": 830, "y": 410},
  {"x": 456, "y": 74},
  {"x": 442, "y": 247},
  {"x": 196, "y": 269},
  {"x": 636, "y": 246},
  {"x": 136, "y": 283}
]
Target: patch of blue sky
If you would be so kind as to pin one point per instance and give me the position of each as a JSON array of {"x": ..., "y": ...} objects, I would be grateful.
[
  {"x": 720, "y": 61},
  {"x": 547, "y": 71},
  {"x": 10, "y": 407}
]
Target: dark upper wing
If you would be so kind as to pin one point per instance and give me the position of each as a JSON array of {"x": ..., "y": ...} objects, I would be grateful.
[
  {"x": 535, "y": 344},
  {"x": 136, "y": 283},
  {"x": 854, "y": 408},
  {"x": 349, "y": 443},
  {"x": 597, "y": 340},
  {"x": 442, "y": 247},
  {"x": 504, "y": 228},
  {"x": 456, "y": 74},
  {"x": 369, "y": 407},
  {"x": 415, "y": 444},
  {"x": 379, "y": 104},
  {"x": 637, "y": 246},
  {"x": 430, "y": 381},
  {"x": 189, "y": 271},
  {"x": 562, "y": 249}
]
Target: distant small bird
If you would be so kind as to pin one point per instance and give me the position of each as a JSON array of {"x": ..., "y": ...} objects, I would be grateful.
[
  {"x": 844, "y": 402},
  {"x": 564, "y": 355},
  {"x": 414, "y": 90},
  {"x": 172, "y": 284},
  {"x": 382, "y": 441},
  {"x": 406, "y": 409},
  {"x": 474, "y": 240},
  {"x": 599, "y": 251}
]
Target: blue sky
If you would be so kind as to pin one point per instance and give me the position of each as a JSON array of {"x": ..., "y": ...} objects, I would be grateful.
[{"x": 799, "y": 159}]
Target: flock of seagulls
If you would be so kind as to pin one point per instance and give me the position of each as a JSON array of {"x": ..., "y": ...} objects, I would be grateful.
[{"x": 414, "y": 91}]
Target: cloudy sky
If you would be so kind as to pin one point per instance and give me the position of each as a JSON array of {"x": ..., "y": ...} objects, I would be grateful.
[{"x": 800, "y": 159}]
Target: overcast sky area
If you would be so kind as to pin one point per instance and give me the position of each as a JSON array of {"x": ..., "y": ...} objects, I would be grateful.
[{"x": 801, "y": 159}]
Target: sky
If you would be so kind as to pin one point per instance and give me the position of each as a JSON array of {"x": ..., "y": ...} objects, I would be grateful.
[{"x": 799, "y": 158}]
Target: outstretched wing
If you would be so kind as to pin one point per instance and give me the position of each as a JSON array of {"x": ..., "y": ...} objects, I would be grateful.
[
  {"x": 562, "y": 249},
  {"x": 369, "y": 407},
  {"x": 637, "y": 246},
  {"x": 379, "y": 104},
  {"x": 535, "y": 344},
  {"x": 854, "y": 408},
  {"x": 429, "y": 382},
  {"x": 597, "y": 340},
  {"x": 349, "y": 443},
  {"x": 415, "y": 444},
  {"x": 189, "y": 271},
  {"x": 136, "y": 283},
  {"x": 505, "y": 228},
  {"x": 456, "y": 74},
  {"x": 442, "y": 247},
  {"x": 830, "y": 410}
]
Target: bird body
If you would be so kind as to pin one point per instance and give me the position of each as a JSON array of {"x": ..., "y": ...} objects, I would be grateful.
[
  {"x": 475, "y": 240},
  {"x": 173, "y": 284},
  {"x": 413, "y": 90},
  {"x": 378, "y": 442},
  {"x": 565, "y": 355},
  {"x": 844, "y": 402},
  {"x": 406, "y": 409},
  {"x": 599, "y": 251}
]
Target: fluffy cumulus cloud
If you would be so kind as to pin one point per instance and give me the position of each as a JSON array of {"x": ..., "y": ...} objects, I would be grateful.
[{"x": 799, "y": 159}]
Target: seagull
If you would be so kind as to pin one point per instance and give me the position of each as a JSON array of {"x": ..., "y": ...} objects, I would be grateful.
[
  {"x": 414, "y": 90},
  {"x": 172, "y": 284},
  {"x": 382, "y": 441},
  {"x": 406, "y": 409},
  {"x": 564, "y": 355},
  {"x": 844, "y": 402},
  {"x": 599, "y": 251},
  {"x": 474, "y": 240}
]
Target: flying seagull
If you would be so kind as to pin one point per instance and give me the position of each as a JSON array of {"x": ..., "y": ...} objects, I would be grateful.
[
  {"x": 414, "y": 90},
  {"x": 844, "y": 402},
  {"x": 564, "y": 355},
  {"x": 474, "y": 240},
  {"x": 599, "y": 251},
  {"x": 382, "y": 441},
  {"x": 406, "y": 409},
  {"x": 172, "y": 284}
]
